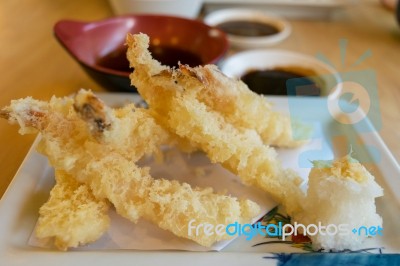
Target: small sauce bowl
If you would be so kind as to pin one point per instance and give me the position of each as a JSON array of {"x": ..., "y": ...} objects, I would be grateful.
[
  {"x": 247, "y": 28},
  {"x": 270, "y": 68}
]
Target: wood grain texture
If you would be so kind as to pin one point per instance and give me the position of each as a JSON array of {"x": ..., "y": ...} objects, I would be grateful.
[{"x": 33, "y": 63}]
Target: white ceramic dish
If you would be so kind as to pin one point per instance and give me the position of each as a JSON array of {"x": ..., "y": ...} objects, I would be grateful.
[
  {"x": 238, "y": 14},
  {"x": 239, "y": 64},
  {"x": 309, "y": 9},
  {"x": 182, "y": 8},
  {"x": 30, "y": 187}
]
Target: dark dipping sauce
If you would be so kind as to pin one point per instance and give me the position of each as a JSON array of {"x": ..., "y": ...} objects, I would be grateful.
[
  {"x": 273, "y": 82},
  {"x": 248, "y": 28},
  {"x": 167, "y": 55}
]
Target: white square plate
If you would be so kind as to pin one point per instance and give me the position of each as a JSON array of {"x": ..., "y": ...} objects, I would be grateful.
[{"x": 30, "y": 187}]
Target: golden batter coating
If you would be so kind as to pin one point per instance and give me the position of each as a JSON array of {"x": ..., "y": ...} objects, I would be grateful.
[
  {"x": 103, "y": 158},
  {"x": 231, "y": 98},
  {"x": 94, "y": 150},
  {"x": 175, "y": 104},
  {"x": 72, "y": 215}
]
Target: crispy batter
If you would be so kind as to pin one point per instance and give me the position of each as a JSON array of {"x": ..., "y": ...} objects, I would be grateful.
[
  {"x": 92, "y": 111},
  {"x": 204, "y": 117},
  {"x": 176, "y": 105},
  {"x": 106, "y": 164},
  {"x": 231, "y": 98},
  {"x": 72, "y": 215},
  {"x": 94, "y": 150},
  {"x": 240, "y": 106},
  {"x": 130, "y": 131}
]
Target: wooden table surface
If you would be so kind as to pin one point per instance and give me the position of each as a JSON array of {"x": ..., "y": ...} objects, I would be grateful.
[{"x": 32, "y": 63}]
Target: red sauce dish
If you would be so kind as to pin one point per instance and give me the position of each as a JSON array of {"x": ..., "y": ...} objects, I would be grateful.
[{"x": 100, "y": 49}]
